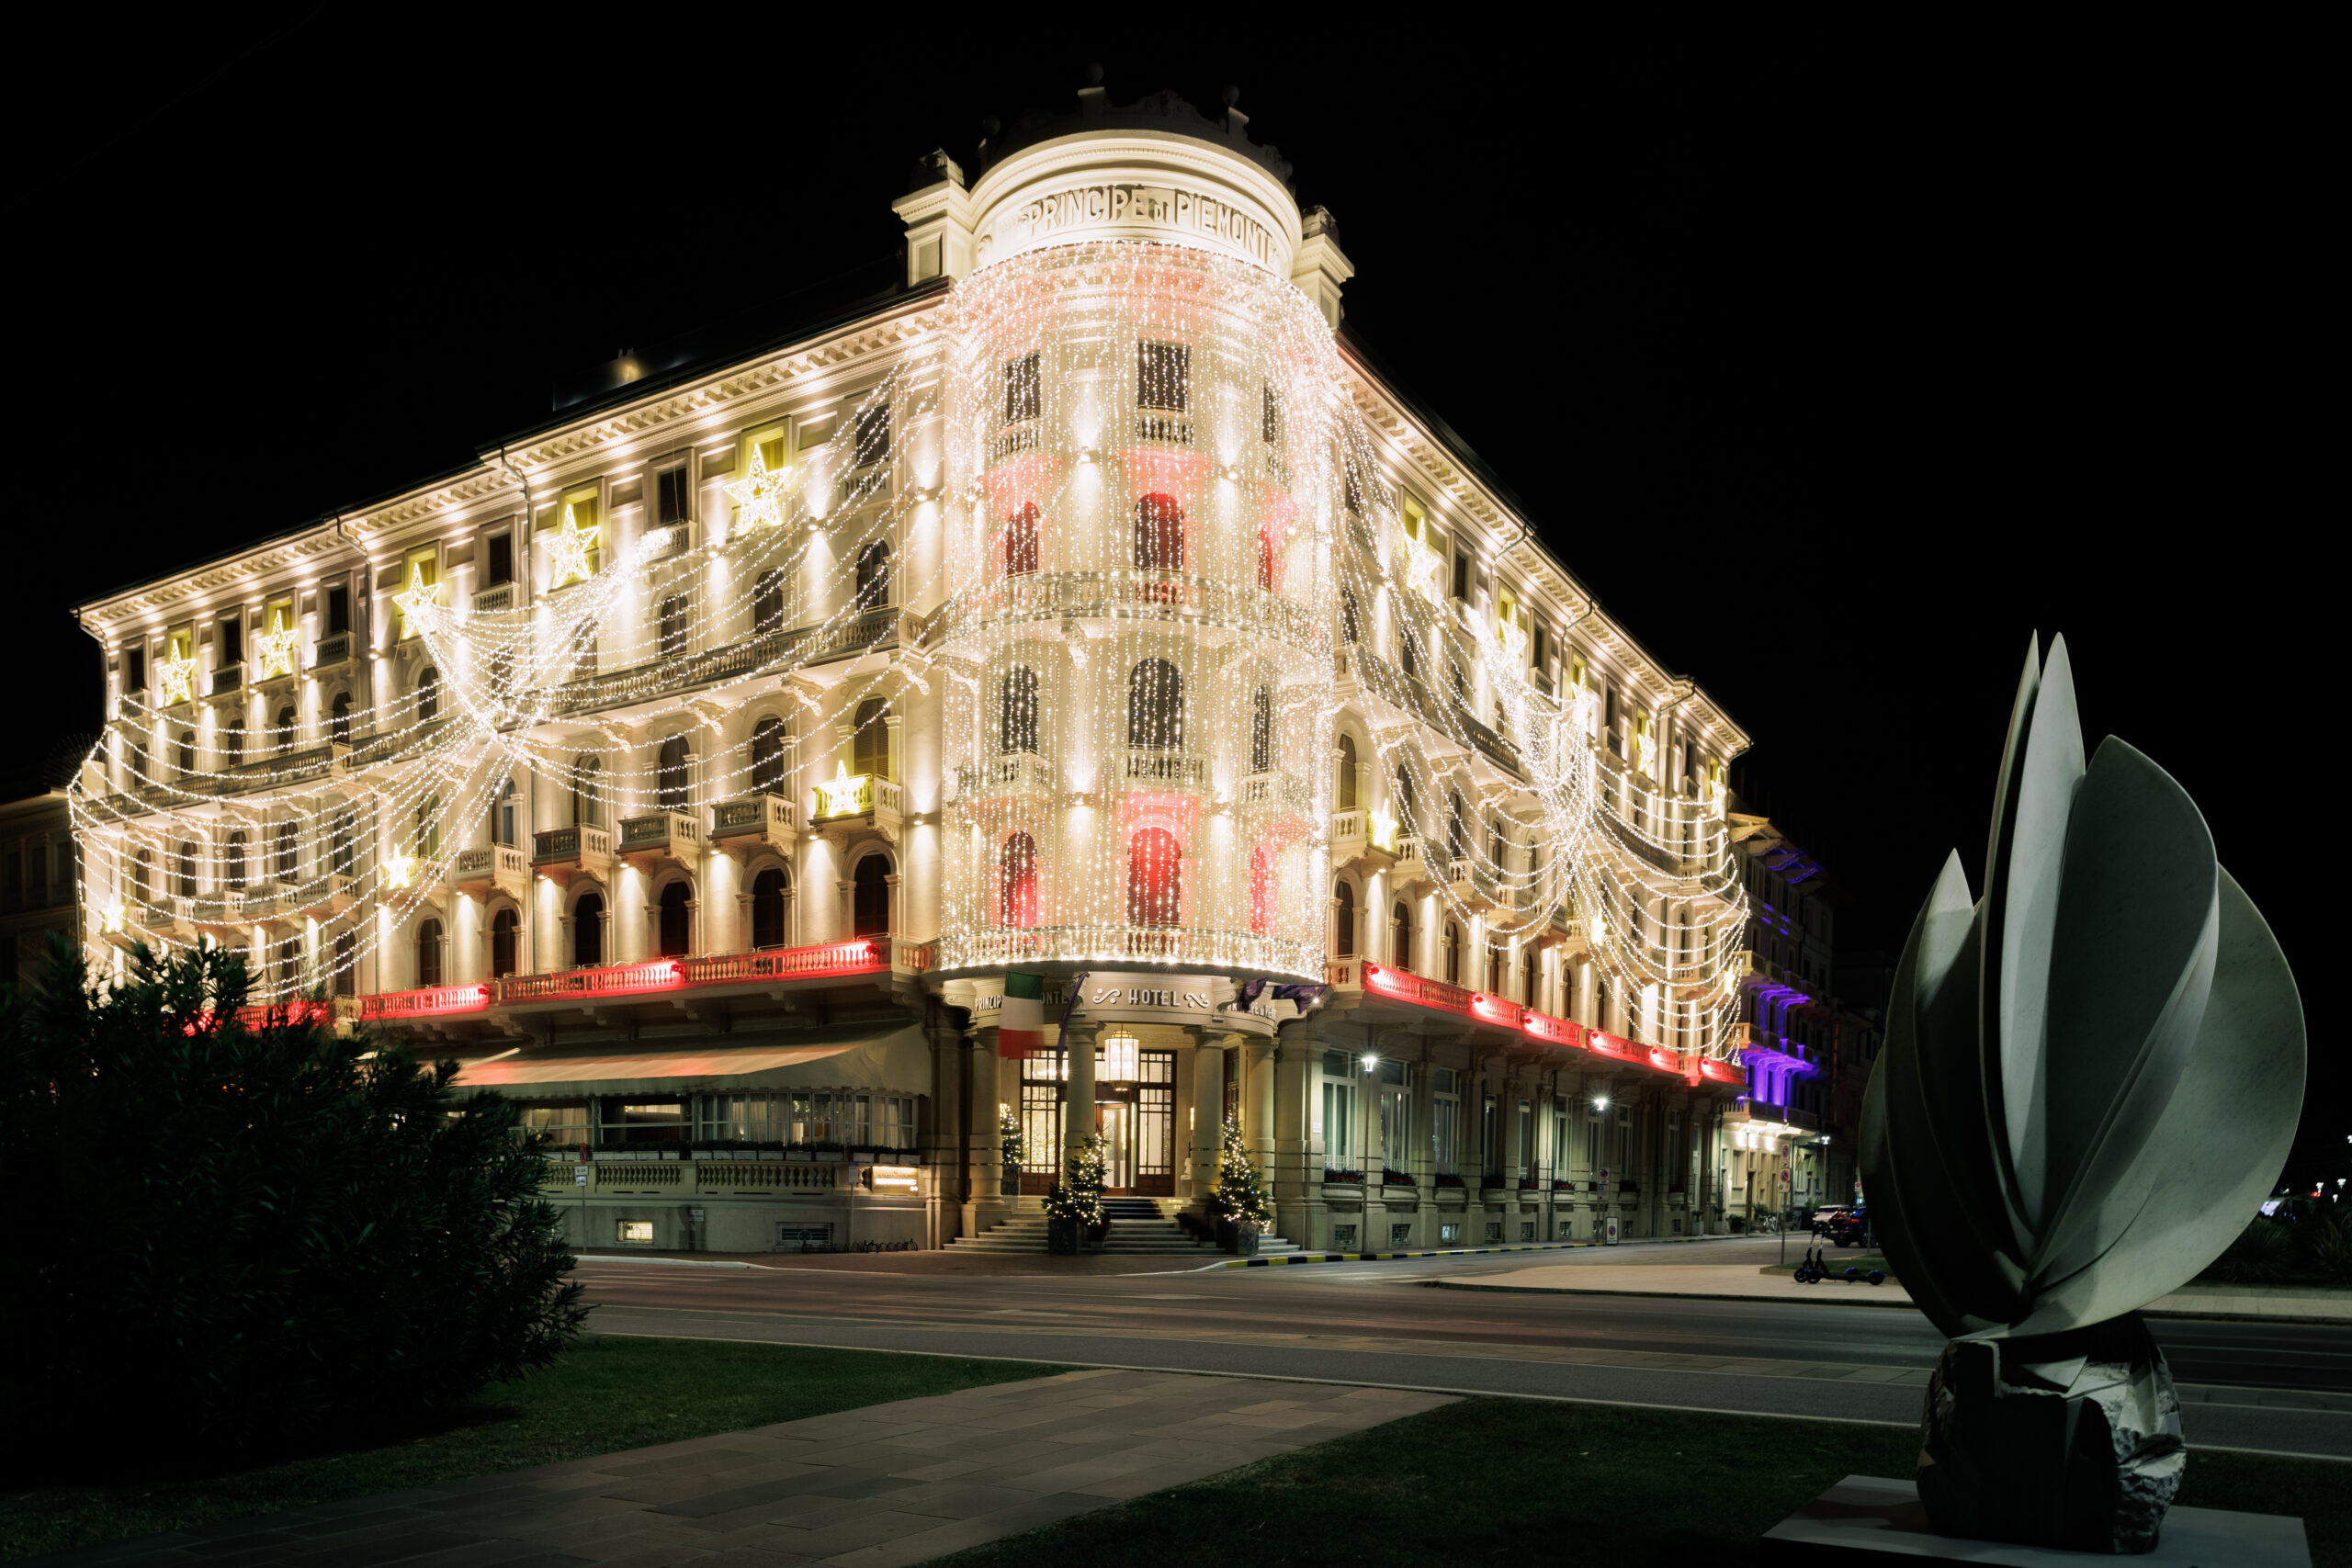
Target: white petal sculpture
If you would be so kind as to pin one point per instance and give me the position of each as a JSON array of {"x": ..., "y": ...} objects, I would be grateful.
[{"x": 2091, "y": 1078}]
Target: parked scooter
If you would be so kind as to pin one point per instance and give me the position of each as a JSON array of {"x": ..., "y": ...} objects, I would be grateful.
[{"x": 1811, "y": 1272}]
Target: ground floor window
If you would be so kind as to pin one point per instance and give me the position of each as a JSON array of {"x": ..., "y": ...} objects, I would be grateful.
[
  {"x": 566, "y": 1126},
  {"x": 804, "y": 1238},
  {"x": 638, "y": 1231}
]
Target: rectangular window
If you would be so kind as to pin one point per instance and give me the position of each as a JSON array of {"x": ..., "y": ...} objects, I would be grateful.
[
  {"x": 1270, "y": 416},
  {"x": 338, "y": 604},
  {"x": 768, "y": 446},
  {"x": 1461, "y": 576},
  {"x": 1490, "y": 1157},
  {"x": 672, "y": 497},
  {"x": 423, "y": 568},
  {"x": 873, "y": 435},
  {"x": 674, "y": 626},
  {"x": 500, "y": 568},
  {"x": 1538, "y": 646},
  {"x": 1340, "y": 1150},
  {"x": 134, "y": 669},
  {"x": 1396, "y": 1115},
  {"x": 233, "y": 642},
  {"x": 1025, "y": 389},
  {"x": 566, "y": 1125},
  {"x": 277, "y": 621},
  {"x": 1164, "y": 377},
  {"x": 1526, "y": 1138},
  {"x": 637, "y": 1231},
  {"x": 1446, "y": 1122}
]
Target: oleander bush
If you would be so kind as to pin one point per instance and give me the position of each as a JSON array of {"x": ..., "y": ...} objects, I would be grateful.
[
  {"x": 2304, "y": 1243},
  {"x": 238, "y": 1232}
]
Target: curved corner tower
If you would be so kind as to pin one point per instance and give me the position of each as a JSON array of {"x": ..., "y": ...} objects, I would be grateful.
[{"x": 1137, "y": 637}]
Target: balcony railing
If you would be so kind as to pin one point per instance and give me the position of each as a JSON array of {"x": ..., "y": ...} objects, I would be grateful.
[
  {"x": 1171, "y": 429},
  {"x": 1016, "y": 773},
  {"x": 228, "y": 678},
  {"x": 859, "y": 798},
  {"x": 578, "y": 846},
  {"x": 500, "y": 596},
  {"x": 1279, "y": 794},
  {"x": 494, "y": 866},
  {"x": 1169, "y": 768},
  {"x": 768, "y": 818},
  {"x": 672, "y": 832}
]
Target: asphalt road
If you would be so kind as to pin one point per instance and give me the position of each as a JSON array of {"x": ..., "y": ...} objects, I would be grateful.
[{"x": 2274, "y": 1387}]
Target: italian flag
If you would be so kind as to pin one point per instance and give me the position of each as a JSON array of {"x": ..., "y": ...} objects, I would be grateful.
[{"x": 1020, "y": 1027}]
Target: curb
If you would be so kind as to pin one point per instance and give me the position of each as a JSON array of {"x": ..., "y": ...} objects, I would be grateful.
[
  {"x": 1848, "y": 1300},
  {"x": 673, "y": 1262},
  {"x": 1384, "y": 1257}
]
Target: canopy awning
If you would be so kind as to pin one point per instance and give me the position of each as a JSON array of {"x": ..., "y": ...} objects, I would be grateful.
[{"x": 846, "y": 1056}]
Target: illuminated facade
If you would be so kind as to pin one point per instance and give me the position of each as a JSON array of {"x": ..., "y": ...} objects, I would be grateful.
[{"x": 695, "y": 767}]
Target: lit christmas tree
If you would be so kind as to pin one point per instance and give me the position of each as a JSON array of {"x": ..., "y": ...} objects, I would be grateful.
[
  {"x": 1016, "y": 1147},
  {"x": 1238, "y": 1197},
  {"x": 1078, "y": 1194}
]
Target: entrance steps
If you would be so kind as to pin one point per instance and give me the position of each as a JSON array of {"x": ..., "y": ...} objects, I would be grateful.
[{"x": 1139, "y": 1226}]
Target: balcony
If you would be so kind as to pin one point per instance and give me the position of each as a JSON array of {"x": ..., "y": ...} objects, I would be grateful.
[
  {"x": 851, "y": 801},
  {"x": 495, "y": 868},
  {"x": 1416, "y": 865},
  {"x": 333, "y": 894},
  {"x": 499, "y": 596},
  {"x": 1015, "y": 773},
  {"x": 566, "y": 852},
  {"x": 1276, "y": 796},
  {"x": 331, "y": 652},
  {"x": 754, "y": 822},
  {"x": 1152, "y": 767},
  {"x": 1165, "y": 429},
  {"x": 274, "y": 910},
  {"x": 220, "y": 915},
  {"x": 664, "y": 835},
  {"x": 1473, "y": 882},
  {"x": 228, "y": 678}
]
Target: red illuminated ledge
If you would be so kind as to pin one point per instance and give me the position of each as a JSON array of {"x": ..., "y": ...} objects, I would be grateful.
[
  {"x": 1488, "y": 1008},
  {"x": 865, "y": 955}
]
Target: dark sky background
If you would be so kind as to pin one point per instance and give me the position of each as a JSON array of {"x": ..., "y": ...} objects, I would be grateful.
[{"x": 1837, "y": 363}]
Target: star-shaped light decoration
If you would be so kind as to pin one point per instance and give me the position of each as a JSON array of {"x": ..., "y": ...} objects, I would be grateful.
[
  {"x": 275, "y": 648},
  {"x": 1514, "y": 644},
  {"x": 1384, "y": 831},
  {"x": 111, "y": 920},
  {"x": 399, "y": 870},
  {"x": 759, "y": 497},
  {"x": 176, "y": 680},
  {"x": 1646, "y": 748},
  {"x": 568, "y": 554},
  {"x": 1599, "y": 931},
  {"x": 1421, "y": 569},
  {"x": 842, "y": 791},
  {"x": 418, "y": 595}
]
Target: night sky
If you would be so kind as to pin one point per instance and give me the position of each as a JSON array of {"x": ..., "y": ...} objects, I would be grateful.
[{"x": 1836, "y": 365}]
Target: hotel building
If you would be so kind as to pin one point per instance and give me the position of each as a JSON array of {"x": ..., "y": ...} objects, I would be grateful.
[{"x": 693, "y": 767}]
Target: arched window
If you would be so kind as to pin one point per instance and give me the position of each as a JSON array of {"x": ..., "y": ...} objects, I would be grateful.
[
  {"x": 677, "y": 920},
  {"x": 1401, "y": 936},
  {"x": 288, "y": 852},
  {"x": 505, "y": 934},
  {"x": 1265, "y": 560},
  {"x": 346, "y": 964},
  {"x": 1263, "y": 881},
  {"x": 427, "y": 843},
  {"x": 873, "y": 575},
  {"x": 587, "y": 793},
  {"x": 1017, "y": 710},
  {"x": 870, "y": 897},
  {"x": 1347, "y": 781},
  {"x": 236, "y": 860},
  {"x": 1350, "y": 627},
  {"x": 1261, "y": 730},
  {"x": 184, "y": 868},
  {"x": 670, "y": 774},
  {"x": 1406, "y": 810},
  {"x": 1021, "y": 542},
  {"x": 1343, "y": 898},
  {"x": 1156, "y": 706},
  {"x": 1406, "y": 657},
  {"x": 767, "y": 602},
  {"x": 141, "y": 875},
  {"x": 232, "y": 742},
  {"x": 870, "y": 750},
  {"x": 671, "y": 630},
  {"x": 1495, "y": 969},
  {"x": 285, "y": 739},
  {"x": 1457, "y": 832},
  {"x": 1527, "y": 994},
  {"x": 1159, "y": 534},
  {"x": 771, "y": 898},
  {"x": 588, "y": 931},
  {"x": 1452, "y": 953},
  {"x": 505, "y": 818},
  {"x": 187, "y": 752},
  {"x": 1016, "y": 905},
  {"x": 339, "y": 719},
  {"x": 1155, "y": 880},
  {"x": 345, "y": 846},
  {"x": 767, "y": 756},
  {"x": 139, "y": 764},
  {"x": 428, "y": 953},
  {"x": 428, "y": 694}
]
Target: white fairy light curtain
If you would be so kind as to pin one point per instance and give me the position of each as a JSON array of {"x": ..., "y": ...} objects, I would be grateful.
[{"x": 1164, "y": 543}]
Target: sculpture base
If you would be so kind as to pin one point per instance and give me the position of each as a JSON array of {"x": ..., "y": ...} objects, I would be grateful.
[
  {"x": 2067, "y": 1439},
  {"x": 1866, "y": 1519}
]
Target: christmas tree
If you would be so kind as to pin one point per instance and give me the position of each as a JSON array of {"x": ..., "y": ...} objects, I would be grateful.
[
  {"x": 1016, "y": 1145},
  {"x": 1238, "y": 1197},
  {"x": 1078, "y": 1194}
]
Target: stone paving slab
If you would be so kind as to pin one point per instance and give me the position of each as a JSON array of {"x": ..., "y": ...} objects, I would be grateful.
[{"x": 884, "y": 1486}]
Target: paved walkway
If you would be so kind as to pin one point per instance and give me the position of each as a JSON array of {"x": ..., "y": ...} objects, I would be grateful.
[{"x": 888, "y": 1485}]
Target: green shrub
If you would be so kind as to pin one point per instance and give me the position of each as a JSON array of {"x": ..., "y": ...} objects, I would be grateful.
[
  {"x": 2304, "y": 1243},
  {"x": 243, "y": 1233}
]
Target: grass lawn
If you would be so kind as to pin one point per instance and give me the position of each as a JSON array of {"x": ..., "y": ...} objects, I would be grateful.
[
  {"x": 1494, "y": 1482},
  {"x": 606, "y": 1393}
]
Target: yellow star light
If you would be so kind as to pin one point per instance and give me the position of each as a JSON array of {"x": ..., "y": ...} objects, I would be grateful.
[
  {"x": 569, "y": 558},
  {"x": 398, "y": 870},
  {"x": 842, "y": 791},
  {"x": 1384, "y": 831},
  {"x": 1421, "y": 569},
  {"x": 177, "y": 679},
  {"x": 275, "y": 648},
  {"x": 416, "y": 597},
  {"x": 760, "y": 496}
]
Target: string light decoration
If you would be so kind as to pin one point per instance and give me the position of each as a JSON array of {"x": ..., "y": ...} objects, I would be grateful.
[{"x": 1165, "y": 561}]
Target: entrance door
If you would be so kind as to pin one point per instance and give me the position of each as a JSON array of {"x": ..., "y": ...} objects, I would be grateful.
[{"x": 1116, "y": 1120}]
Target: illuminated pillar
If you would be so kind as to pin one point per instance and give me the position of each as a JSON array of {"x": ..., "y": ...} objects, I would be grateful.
[{"x": 1078, "y": 1089}]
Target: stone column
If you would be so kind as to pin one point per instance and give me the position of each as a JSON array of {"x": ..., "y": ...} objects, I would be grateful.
[
  {"x": 986, "y": 1204},
  {"x": 1208, "y": 1116},
  {"x": 1078, "y": 1096}
]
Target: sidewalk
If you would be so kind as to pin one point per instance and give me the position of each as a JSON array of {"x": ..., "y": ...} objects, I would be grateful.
[
  {"x": 1736, "y": 1282},
  {"x": 889, "y": 1485}
]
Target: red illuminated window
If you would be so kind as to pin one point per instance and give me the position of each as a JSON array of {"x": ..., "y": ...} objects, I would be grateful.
[
  {"x": 1021, "y": 544},
  {"x": 1263, "y": 881},
  {"x": 1266, "y": 561},
  {"x": 1159, "y": 534},
  {"x": 1155, "y": 893},
  {"x": 1017, "y": 883}
]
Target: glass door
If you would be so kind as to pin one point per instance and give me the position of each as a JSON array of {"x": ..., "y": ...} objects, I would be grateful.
[{"x": 1116, "y": 1119}]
